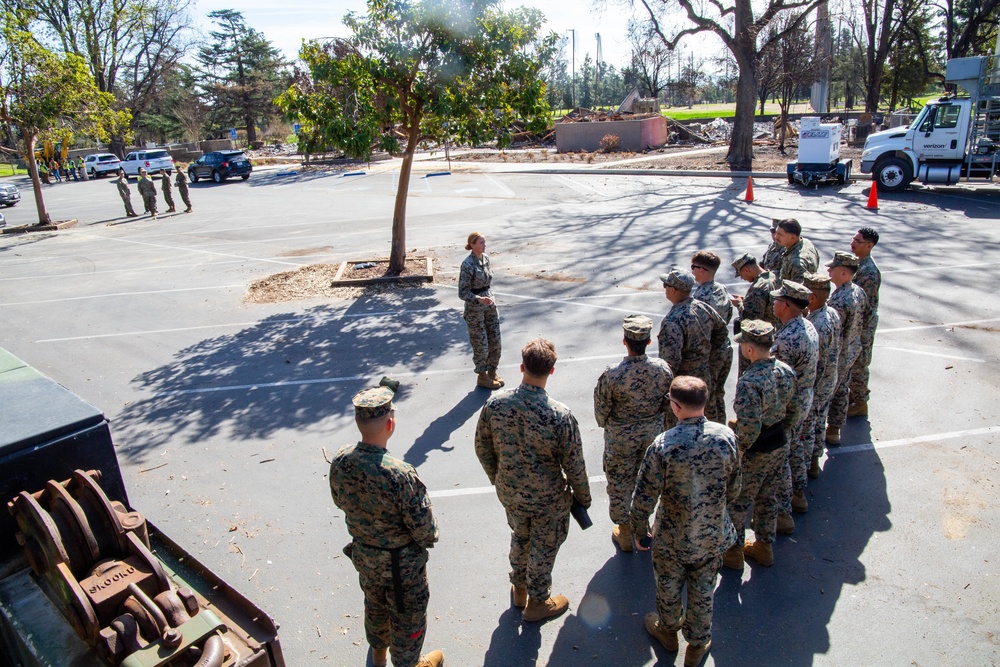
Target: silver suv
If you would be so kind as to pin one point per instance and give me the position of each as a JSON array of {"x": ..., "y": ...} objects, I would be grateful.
[{"x": 152, "y": 160}]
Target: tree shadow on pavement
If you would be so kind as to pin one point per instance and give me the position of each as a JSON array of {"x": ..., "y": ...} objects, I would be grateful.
[
  {"x": 288, "y": 371},
  {"x": 607, "y": 628},
  {"x": 439, "y": 431},
  {"x": 513, "y": 644}
]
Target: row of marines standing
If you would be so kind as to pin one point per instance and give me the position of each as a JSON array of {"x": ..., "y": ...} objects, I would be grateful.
[{"x": 702, "y": 473}]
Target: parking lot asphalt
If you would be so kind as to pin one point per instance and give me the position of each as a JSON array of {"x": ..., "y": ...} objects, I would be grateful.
[{"x": 224, "y": 412}]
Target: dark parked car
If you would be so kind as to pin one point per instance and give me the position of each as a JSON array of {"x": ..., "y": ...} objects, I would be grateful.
[
  {"x": 9, "y": 194},
  {"x": 220, "y": 165}
]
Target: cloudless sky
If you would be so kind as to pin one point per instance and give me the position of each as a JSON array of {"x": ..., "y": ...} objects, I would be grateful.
[{"x": 286, "y": 22}]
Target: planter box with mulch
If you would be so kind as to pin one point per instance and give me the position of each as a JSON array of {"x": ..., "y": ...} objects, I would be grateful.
[
  {"x": 53, "y": 227},
  {"x": 353, "y": 273}
]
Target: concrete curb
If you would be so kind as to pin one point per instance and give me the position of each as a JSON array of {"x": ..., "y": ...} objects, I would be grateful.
[{"x": 671, "y": 172}]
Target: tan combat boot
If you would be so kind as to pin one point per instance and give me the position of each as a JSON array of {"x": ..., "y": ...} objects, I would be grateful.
[
  {"x": 497, "y": 378},
  {"x": 814, "y": 469},
  {"x": 733, "y": 558},
  {"x": 666, "y": 638},
  {"x": 799, "y": 502},
  {"x": 519, "y": 596},
  {"x": 833, "y": 436},
  {"x": 785, "y": 525},
  {"x": 380, "y": 657},
  {"x": 732, "y": 424},
  {"x": 622, "y": 535},
  {"x": 760, "y": 552},
  {"x": 488, "y": 380},
  {"x": 432, "y": 659},
  {"x": 539, "y": 610},
  {"x": 695, "y": 654},
  {"x": 859, "y": 409}
]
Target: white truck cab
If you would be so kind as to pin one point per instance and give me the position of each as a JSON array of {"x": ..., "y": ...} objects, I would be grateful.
[{"x": 950, "y": 138}]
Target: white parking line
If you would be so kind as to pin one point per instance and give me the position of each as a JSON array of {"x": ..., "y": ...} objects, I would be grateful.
[
  {"x": 118, "y": 294},
  {"x": 943, "y": 325},
  {"x": 868, "y": 446},
  {"x": 909, "y": 350},
  {"x": 832, "y": 452},
  {"x": 579, "y": 187},
  {"x": 355, "y": 378},
  {"x": 199, "y": 251}
]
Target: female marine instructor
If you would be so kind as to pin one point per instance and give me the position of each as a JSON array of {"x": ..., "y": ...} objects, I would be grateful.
[{"x": 481, "y": 314}]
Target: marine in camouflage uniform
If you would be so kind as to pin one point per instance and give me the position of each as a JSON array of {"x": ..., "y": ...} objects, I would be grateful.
[
  {"x": 717, "y": 296},
  {"x": 690, "y": 332},
  {"x": 771, "y": 259},
  {"x": 869, "y": 278},
  {"x": 630, "y": 400},
  {"x": 125, "y": 193},
  {"x": 148, "y": 192},
  {"x": 826, "y": 321},
  {"x": 797, "y": 344},
  {"x": 800, "y": 255},
  {"x": 181, "y": 181},
  {"x": 758, "y": 304},
  {"x": 475, "y": 278},
  {"x": 529, "y": 446},
  {"x": 168, "y": 190},
  {"x": 693, "y": 471},
  {"x": 763, "y": 393},
  {"x": 388, "y": 515},
  {"x": 850, "y": 302}
]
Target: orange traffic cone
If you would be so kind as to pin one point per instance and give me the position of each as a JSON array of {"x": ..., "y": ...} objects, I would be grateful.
[
  {"x": 873, "y": 197},
  {"x": 749, "y": 196}
]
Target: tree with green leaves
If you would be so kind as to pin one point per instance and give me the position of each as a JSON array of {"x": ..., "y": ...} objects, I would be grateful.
[
  {"x": 44, "y": 95},
  {"x": 241, "y": 74},
  {"x": 418, "y": 72},
  {"x": 128, "y": 45}
]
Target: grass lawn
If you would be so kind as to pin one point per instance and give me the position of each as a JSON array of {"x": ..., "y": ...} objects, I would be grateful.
[{"x": 11, "y": 170}]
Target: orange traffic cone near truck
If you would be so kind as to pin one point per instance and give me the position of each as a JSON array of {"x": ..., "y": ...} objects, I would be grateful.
[
  {"x": 873, "y": 197},
  {"x": 749, "y": 196}
]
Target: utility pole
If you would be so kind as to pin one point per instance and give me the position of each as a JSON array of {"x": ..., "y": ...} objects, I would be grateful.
[
  {"x": 823, "y": 55},
  {"x": 572, "y": 81},
  {"x": 597, "y": 70}
]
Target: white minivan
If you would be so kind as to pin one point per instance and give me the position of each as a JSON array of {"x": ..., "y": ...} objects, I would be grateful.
[{"x": 152, "y": 160}]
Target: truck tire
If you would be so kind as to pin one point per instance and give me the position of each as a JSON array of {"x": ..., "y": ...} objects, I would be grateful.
[{"x": 892, "y": 175}]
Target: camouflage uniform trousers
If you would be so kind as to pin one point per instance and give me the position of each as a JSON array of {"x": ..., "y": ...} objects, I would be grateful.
[
  {"x": 484, "y": 334},
  {"x": 859, "y": 371},
  {"x": 624, "y": 449},
  {"x": 149, "y": 203},
  {"x": 385, "y": 626},
  {"x": 715, "y": 410},
  {"x": 815, "y": 427},
  {"x": 838, "y": 406},
  {"x": 762, "y": 477},
  {"x": 534, "y": 542},
  {"x": 183, "y": 191},
  {"x": 799, "y": 457},
  {"x": 127, "y": 200},
  {"x": 168, "y": 194},
  {"x": 671, "y": 575}
]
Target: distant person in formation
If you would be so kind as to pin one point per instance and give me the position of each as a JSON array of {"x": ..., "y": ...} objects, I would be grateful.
[
  {"x": 54, "y": 170},
  {"x": 704, "y": 265},
  {"x": 529, "y": 446},
  {"x": 758, "y": 304},
  {"x": 125, "y": 193},
  {"x": 826, "y": 321},
  {"x": 797, "y": 344},
  {"x": 147, "y": 190},
  {"x": 693, "y": 471},
  {"x": 800, "y": 255},
  {"x": 475, "y": 279},
  {"x": 689, "y": 332},
  {"x": 389, "y": 518},
  {"x": 868, "y": 278},
  {"x": 182, "y": 189},
  {"x": 168, "y": 190},
  {"x": 763, "y": 393},
  {"x": 851, "y": 302},
  {"x": 629, "y": 403},
  {"x": 771, "y": 260}
]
